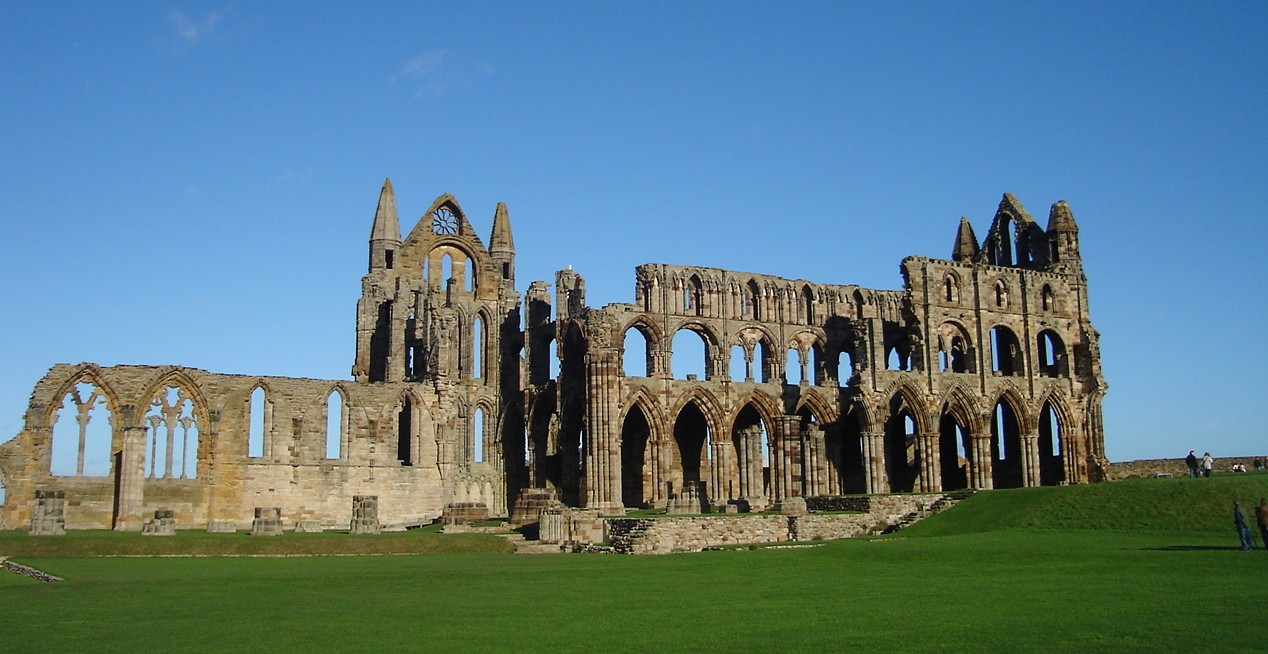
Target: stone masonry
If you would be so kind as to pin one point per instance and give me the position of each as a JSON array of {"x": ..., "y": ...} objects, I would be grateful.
[{"x": 982, "y": 371}]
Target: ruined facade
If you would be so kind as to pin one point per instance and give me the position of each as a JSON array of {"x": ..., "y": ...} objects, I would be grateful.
[{"x": 982, "y": 372}]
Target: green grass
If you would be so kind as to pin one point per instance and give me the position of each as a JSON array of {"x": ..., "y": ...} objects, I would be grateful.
[
  {"x": 19, "y": 545},
  {"x": 1047, "y": 570}
]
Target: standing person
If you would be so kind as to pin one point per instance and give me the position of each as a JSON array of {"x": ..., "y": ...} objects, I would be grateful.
[
  {"x": 1261, "y": 517},
  {"x": 1192, "y": 462},
  {"x": 1207, "y": 464},
  {"x": 1243, "y": 529}
]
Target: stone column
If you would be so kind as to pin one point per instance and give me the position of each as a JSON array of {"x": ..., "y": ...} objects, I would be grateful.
[
  {"x": 813, "y": 462},
  {"x": 982, "y": 476},
  {"x": 786, "y": 460},
  {"x": 721, "y": 487},
  {"x": 130, "y": 479},
  {"x": 1030, "y": 459},
  {"x": 874, "y": 462},
  {"x": 930, "y": 460},
  {"x": 602, "y": 447}
]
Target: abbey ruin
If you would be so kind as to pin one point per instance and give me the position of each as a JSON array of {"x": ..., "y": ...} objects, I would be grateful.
[{"x": 982, "y": 372}]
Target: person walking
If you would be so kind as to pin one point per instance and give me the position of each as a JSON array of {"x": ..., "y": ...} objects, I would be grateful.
[
  {"x": 1207, "y": 464},
  {"x": 1243, "y": 529},
  {"x": 1192, "y": 462},
  {"x": 1261, "y": 517}
]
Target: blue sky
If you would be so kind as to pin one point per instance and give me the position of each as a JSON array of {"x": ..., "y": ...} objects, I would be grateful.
[{"x": 193, "y": 183}]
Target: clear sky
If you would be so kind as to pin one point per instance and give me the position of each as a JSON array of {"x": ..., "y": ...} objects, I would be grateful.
[{"x": 193, "y": 184}]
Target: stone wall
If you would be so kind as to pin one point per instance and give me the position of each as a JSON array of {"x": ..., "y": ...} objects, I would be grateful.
[
  {"x": 1175, "y": 467},
  {"x": 667, "y": 535}
]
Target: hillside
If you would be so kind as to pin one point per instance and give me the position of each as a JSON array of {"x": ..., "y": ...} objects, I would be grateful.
[{"x": 1161, "y": 505}]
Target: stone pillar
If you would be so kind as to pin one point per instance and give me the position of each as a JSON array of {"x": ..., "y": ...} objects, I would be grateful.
[
  {"x": 365, "y": 515},
  {"x": 49, "y": 515},
  {"x": 130, "y": 479},
  {"x": 786, "y": 459},
  {"x": 267, "y": 522},
  {"x": 1030, "y": 459},
  {"x": 603, "y": 443},
  {"x": 816, "y": 462},
  {"x": 721, "y": 487},
  {"x": 930, "y": 462},
  {"x": 874, "y": 462},
  {"x": 982, "y": 476}
]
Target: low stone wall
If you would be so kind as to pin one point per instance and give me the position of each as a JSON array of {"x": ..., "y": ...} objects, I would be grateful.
[
  {"x": 1175, "y": 467},
  {"x": 666, "y": 535}
]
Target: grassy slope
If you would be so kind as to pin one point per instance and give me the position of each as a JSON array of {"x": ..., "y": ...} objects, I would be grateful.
[{"x": 1151, "y": 505}]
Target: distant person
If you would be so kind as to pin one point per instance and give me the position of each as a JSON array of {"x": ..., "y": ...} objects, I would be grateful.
[
  {"x": 1192, "y": 462},
  {"x": 1261, "y": 517},
  {"x": 1243, "y": 529},
  {"x": 1259, "y": 464},
  {"x": 1207, "y": 464},
  {"x": 1237, "y": 467}
]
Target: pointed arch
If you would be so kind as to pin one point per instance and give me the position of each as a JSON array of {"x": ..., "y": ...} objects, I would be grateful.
[
  {"x": 176, "y": 418},
  {"x": 259, "y": 415},
  {"x": 1008, "y": 422},
  {"x": 336, "y": 414},
  {"x": 83, "y": 426},
  {"x": 1055, "y": 446}
]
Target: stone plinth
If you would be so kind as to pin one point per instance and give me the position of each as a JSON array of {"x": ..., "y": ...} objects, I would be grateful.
[
  {"x": 529, "y": 504},
  {"x": 691, "y": 501},
  {"x": 461, "y": 513},
  {"x": 308, "y": 527},
  {"x": 793, "y": 506},
  {"x": 572, "y": 526},
  {"x": 163, "y": 524},
  {"x": 49, "y": 516},
  {"x": 365, "y": 515},
  {"x": 268, "y": 521}
]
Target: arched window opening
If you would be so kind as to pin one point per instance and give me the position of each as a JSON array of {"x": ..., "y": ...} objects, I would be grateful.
[
  {"x": 688, "y": 355},
  {"x": 468, "y": 269},
  {"x": 959, "y": 354},
  {"x": 808, "y": 304},
  {"x": 1006, "y": 464},
  {"x": 691, "y": 438},
  {"x": 477, "y": 348},
  {"x": 741, "y": 364},
  {"x": 954, "y": 450},
  {"x": 1001, "y": 295},
  {"x": 858, "y": 304},
  {"x": 1005, "y": 352},
  {"x": 794, "y": 367},
  {"x": 695, "y": 299},
  {"x": 766, "y": 360},
  {"x": 257, "y": 429},
  {"x": 1004, "y": 241},
  {"x": 173, "y": 435},
  {"x": 845, "y": 367},
  {"x": 1052, "y": 356},
  {"x": 635, "y": 361},
  {"x": 951, "y": 289},
  {"x": 82, "y": 433},
  {"x": 1051, "y": 447},
  {"x": 755, "y": 300},
  {"x": 405, "y": 432},
  {"x": 902, "y": 454},
  {"x": 637, "y": 488},
  {"x": 1048, "y": 299},
  {"x": 477, "y": 436},
  {"x": 446, "y": 271},
  {"x": 744, "y": 302},
  {"x": 335, "y": 424},
  {"x": 553, "y": 348}
]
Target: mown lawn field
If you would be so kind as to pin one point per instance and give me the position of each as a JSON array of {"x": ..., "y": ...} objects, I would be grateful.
[{"x": 1057, "y": 570}]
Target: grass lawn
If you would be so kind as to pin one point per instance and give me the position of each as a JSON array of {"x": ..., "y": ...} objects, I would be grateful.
[{"x": 980, "y": 577}]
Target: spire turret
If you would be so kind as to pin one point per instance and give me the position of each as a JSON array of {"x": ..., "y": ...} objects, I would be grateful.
[
  {"x": 966, "y": 246},
  {"x": 502, "y": 244},
  {"x": 385, "y": 234},
  {"x": 1063, "y": 234}
]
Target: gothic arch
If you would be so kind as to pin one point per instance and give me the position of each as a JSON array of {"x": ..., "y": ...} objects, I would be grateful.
[
  {"x": 913, "y": 400},
  {"x": 653, "y": 333},
  {"x": 824, "y": 412},
  {"x": 169, "y": 378},
  {"x": 766, "y": 408},
  {"x": 650, "y": 408},
  {"x": 959, "y": 403},
  {"x": 709, "y": 406},
  {"x": 89, "y": 373}
]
